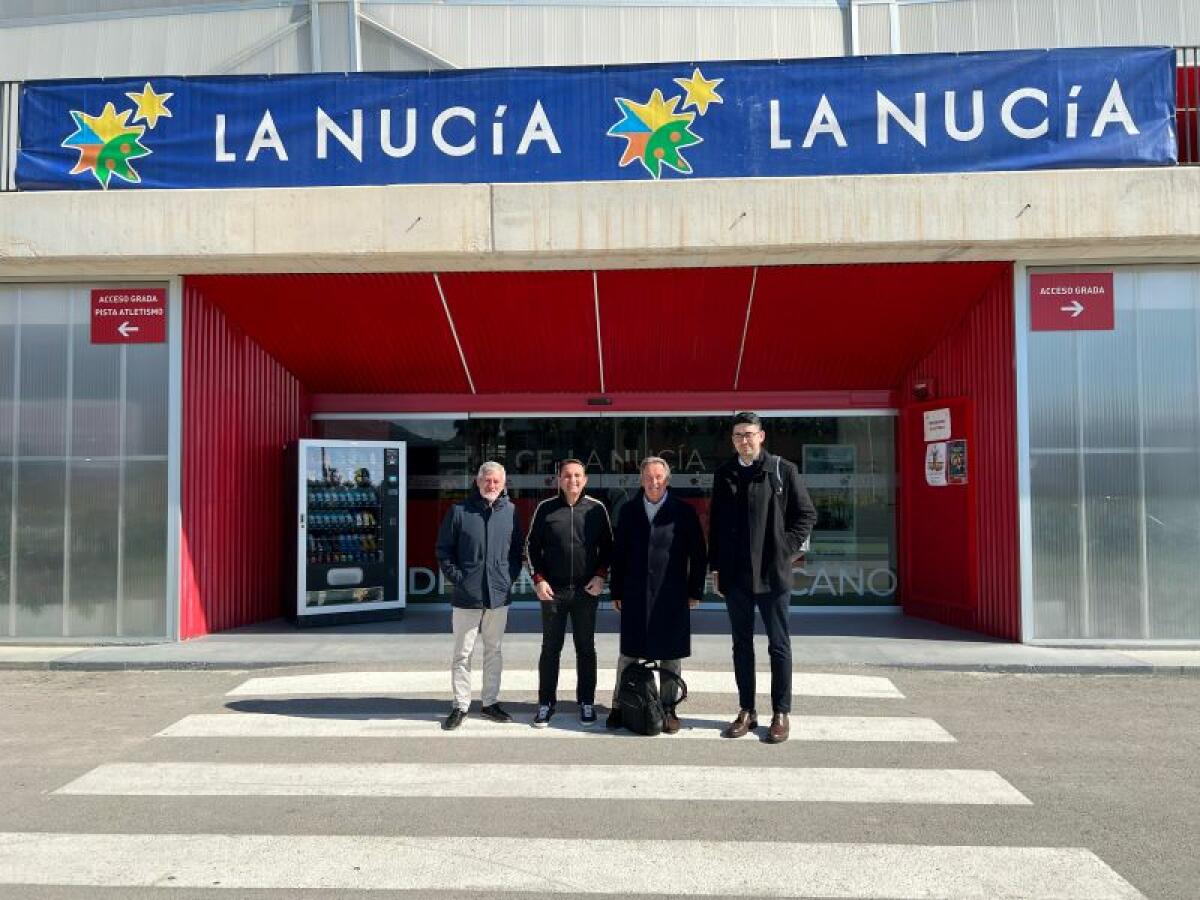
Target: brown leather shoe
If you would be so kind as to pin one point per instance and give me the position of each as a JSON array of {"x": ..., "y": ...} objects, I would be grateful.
[
  {"x": 670, "y": 722},
  {"x": 746, "y": 721},
  {"x": 780, "y": 728}
]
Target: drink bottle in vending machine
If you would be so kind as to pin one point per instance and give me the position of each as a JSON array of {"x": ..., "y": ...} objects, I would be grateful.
[{"x": 350, "y": 515}]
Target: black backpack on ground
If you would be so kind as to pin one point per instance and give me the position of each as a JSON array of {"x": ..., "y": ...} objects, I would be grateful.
[{"x": 638, "y": 699}]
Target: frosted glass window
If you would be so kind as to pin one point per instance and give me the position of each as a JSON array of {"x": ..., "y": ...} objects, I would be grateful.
[
  {"x": 83, "y": 442},
  {"x": 1114, "y": 427}
]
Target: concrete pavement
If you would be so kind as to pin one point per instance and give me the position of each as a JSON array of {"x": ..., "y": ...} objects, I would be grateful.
[{"x": 421, "y": 640}]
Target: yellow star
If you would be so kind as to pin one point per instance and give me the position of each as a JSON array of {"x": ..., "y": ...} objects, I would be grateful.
[
  {"x": 658, "y": 112},
  {"x": 700, "y": 91},
  {"x": 150, "y": 106},
  {"x": 109, "y": 124}
]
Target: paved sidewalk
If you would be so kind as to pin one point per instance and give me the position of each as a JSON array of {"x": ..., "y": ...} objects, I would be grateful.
[{"x": 421, "y": 641}]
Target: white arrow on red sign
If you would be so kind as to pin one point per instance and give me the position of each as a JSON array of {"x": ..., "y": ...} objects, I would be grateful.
[
  {"x": 1074, "y": 308},
  {"x": 126, "y": 329}
]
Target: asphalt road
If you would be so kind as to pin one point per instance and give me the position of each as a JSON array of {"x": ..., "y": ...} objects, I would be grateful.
[{"x": 1108, "y": 764}]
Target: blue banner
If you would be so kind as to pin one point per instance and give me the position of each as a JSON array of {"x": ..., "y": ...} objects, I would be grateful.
[{"x": 898, "y": 114}]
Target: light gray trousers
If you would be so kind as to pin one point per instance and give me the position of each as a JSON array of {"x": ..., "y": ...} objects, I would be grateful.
[
  {"x": 668, "y": 690},
  {"x": 468, "y": 625}
]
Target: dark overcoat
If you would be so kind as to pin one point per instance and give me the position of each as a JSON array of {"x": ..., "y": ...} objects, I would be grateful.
[{"x": 655, "y": 569}]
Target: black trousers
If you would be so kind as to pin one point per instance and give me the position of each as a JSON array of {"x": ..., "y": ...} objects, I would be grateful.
[
  {"x": 581, "y": 611},
  {"x": 774, "y": 609}
]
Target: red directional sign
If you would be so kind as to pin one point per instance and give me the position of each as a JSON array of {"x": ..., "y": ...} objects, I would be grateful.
[
  {"x": 1071, "y": 301},
  {"x": 129, "y": 315}
]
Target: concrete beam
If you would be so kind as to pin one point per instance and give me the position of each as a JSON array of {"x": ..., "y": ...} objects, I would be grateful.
[{"x": 1118, "y": 215}]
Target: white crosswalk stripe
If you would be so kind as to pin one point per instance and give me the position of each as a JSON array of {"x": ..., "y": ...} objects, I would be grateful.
[
  {"x": 560, "y": 782},
  {"x": 557, "y": 866},
  {"x": 317, "y": 706},
  {"x": 870, "y": 687},
  {"x": 428, "y": 725}
]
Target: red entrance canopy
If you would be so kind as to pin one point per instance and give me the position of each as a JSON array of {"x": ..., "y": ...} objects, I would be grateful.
[{"x": 494, "y": 335}]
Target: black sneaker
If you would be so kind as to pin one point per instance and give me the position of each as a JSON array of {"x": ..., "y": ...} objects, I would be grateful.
[
  {"x": 454, "y": 719},
  {"x": 614, "y": 720},
  {"x": 542, "y": 719},
  {"x": 587, "y": 715},
  {"x": 495, "y": 713}
]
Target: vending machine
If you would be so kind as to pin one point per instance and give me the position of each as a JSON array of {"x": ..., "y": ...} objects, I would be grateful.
[{"x": 350, "y": 538}]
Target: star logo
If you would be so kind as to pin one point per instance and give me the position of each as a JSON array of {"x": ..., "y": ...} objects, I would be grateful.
[
  {"x": 700, "y": 91},
  {"x": 150, "y": 106},
  {"x": 655, "y": 133},
  {"x": 107, "y": 145}
]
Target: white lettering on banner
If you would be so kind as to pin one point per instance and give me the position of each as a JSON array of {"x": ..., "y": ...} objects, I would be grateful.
[
  {"x": 778, "y": 142},
  {"x": 886, "y": 109},
  {"x": 976, "y": 128},
  {"x": 410, "y": 133},
  {"x": 439, "y": 141},
  {"x": 222, "y": 155},
  {"x": 1006, "y": 113},
  {"x": 267, "y": 138},
  {"x": 824, "y": 122},
  {"x": 326, "y": 126},
  {"x": 1114, "y": 110},
  {"x": 498, "y": 131},
  {"x": 538, "y": 129},
  {"x": 1073, "y": 112}
]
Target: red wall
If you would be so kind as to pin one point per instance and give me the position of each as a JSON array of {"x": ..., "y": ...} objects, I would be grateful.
[
  {"x": 975, "y": 360},
  {"x": 240, "y": 407}
]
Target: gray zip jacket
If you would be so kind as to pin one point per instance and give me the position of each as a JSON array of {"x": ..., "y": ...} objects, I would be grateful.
[{"x": 480, "y": 550}]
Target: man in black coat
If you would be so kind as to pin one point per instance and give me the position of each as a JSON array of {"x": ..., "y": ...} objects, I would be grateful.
[
  {"x": 479, "y": 549},
  {"x": 658, "y": 569},
  {"x": 760, "y": 518}
]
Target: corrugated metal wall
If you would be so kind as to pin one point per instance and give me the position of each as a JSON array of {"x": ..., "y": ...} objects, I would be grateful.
[
  {"x": 976, "y": 360},
  {"x": 276, "y": 37},
  {"x": 240, "y": 407}
]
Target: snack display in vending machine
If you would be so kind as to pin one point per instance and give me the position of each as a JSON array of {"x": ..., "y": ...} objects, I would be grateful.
[{"x": 350, "y": 542}]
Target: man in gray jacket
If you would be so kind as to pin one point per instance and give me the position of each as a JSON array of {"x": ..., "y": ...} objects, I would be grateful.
[{"x": 480, "y": 550}]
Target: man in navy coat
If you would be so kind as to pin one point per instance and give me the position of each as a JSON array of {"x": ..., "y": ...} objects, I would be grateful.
[{"x": 658, "y": 568}]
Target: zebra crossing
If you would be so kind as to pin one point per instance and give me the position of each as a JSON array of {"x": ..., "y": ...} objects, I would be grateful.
[{"x": 386, "y": 706}]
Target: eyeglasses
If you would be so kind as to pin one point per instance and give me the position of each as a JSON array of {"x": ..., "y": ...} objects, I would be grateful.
[{"x": 745, "y": 435}]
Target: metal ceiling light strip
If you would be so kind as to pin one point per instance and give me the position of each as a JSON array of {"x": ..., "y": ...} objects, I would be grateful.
[
  {"x": 745, "y": 328},
  {"x": 454, "y": 333},
  {"x": 599, "y": 344}
]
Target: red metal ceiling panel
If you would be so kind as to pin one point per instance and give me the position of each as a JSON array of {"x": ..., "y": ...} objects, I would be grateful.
[
  {"x": 346, "y": 333},
  {"x": 853, "y": 327},
  {"x": 672, "y": 329},
  {"x": 526, "y": 332}
]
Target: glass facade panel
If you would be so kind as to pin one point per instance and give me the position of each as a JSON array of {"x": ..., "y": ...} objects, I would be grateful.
[
  {"x": 38, "y": 547},
  {"x": 83, "y": 437},
  {"x": 1058, "y": 537},
  {"x": 146, "y": 400},
  {"x": 95, "y": 388},
  {"x": 848, "y": 464},
  {"x": 42, "y": 371},
  {"x": 143, "y": 549},
  {"x": 95, "y": 503},
  {"x": 1114, "y": 427}
]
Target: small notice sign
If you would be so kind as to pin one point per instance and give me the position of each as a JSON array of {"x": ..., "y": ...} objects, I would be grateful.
[
  {"x": 935, "y": 464},
  {"x": 956, "y": 462},
  {"x": 129, "y": 315},
  {"x": 1071, "y": 301},
  {"x": 937, "y": 424}
]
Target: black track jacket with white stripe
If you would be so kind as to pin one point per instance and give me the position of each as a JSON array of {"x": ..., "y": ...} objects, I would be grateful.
[{"x": 569, "y": 545}]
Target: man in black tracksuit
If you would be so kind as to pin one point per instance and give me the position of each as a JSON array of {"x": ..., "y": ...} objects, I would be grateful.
[
  {"x": 568, "y": 550},
  {"x": 759, "y": 519}
]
